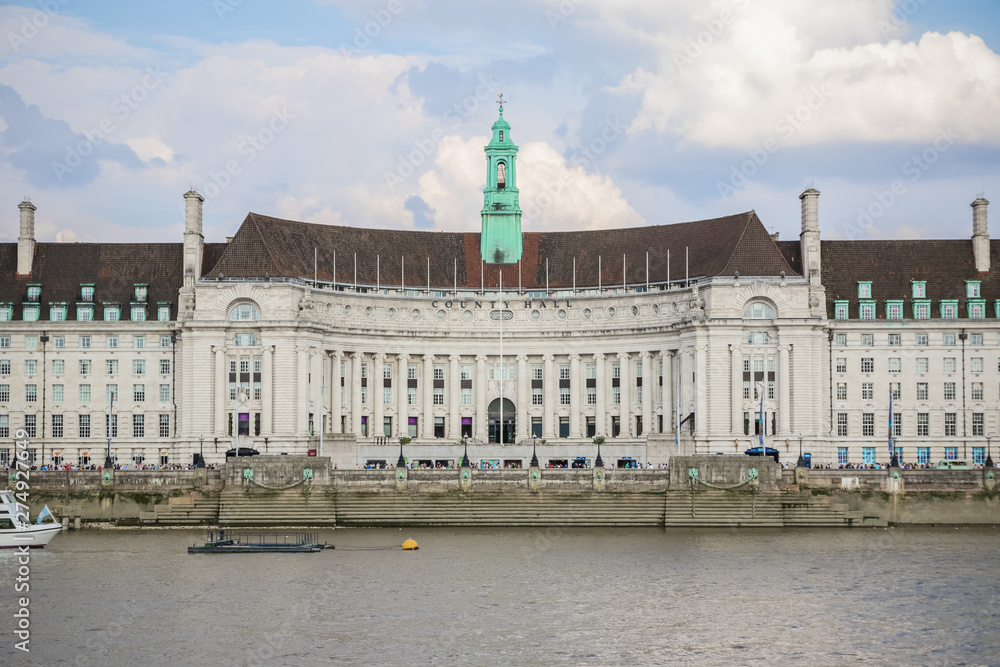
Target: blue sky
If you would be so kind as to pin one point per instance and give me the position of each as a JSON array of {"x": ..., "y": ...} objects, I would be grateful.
[{"x": 628, "y": 112}]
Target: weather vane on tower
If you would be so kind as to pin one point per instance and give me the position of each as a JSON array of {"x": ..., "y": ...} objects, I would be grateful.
[{"x": 500, "y": 101}]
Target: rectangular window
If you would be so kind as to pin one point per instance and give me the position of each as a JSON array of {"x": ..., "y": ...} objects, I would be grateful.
[
  {"x": 949, "y": 365},
  {"x": 842, "y": 424},
  {"x": 591, "y": 395},
  {"x": 950, "y": 453},
  {"x": 164, "y": 393},
  {"x": 31, "y": 342},
  {"x": 922, "y": 391},
  {"x": 841, "y": 391},
  {"x": 57, "y": 426},
  {"x": 138, "y": 426},
  {"x": 83, "y": 426},
  {"x": 978, "y": 455},
  {"x": 58, "y": 393},
  {"x": 138, "y": 393},
  {"x": 977, "y": 424},
  {"x": 31, "y": 367},
  {"x": 895, "y": 340},
  {"x": 165, "y": 367},
  {"x": 6, "y": 312},
  {"x": 972, "y": 289},
  {"x": 868, "y": 424},
  {"x": 867, "y": 340},
  {"x": 111, "y": 425},
  {"x": 111, "y": 342},
  {"x": 919, "y": 289},
  {"x": 84, "y": 393},
  {"x": 923, "y": 455},
  {"x": 411, "y": 396},
  {"x": 867, "y": 311},
  {"x": 386, "y": 395},
  {"x": 949, "y": 391},
  {"x": 868, "y": 455},
  {"x": 439, "y": 372},
  {"x": 85, "y": 342},
  {"x": 386, "y": 372},
  {"x": 57, "y": 312},
  {"x": 894, "y": 310},
  {"x": 867, "y": 391},
  {"x": 138, "y": 313},
  {"x": 746, "y": 389},
  {"x": 867, "y": 365},
  {"x": 842, "y": 456},
  {"x": 5, "y": 342},
  {"x": 841, "y": 365},
  {"x": 976, "y": 339},
  {"x": 921, "y": 340},
  {"x": 977, "y": 364},
  {"x": 950, "y": 424},
  {"x": 949, "y": 310},
  {"x": 111, "y": 366},
  {"x": 466, "y": 396},
  {"x": 164, "y": 426},
  {"x": 896, "y": 391},
  {"x": 31, "y": 425},
  {"x": 59, "y": 342},
  {"x": 364, "y": 395},
  {"x": 466, "y": 372},
  {"x": 841, "y": 341},
  {"x": 840, "y": 310},
  {"x": 864, "y": 290},
  {"x": 30, "y": 313},
  {"x": 4, "y": 393},
  {"x": 616, "y": 371},
  {"x": 592, "y": 371},
  {"x": 564, "y": 396},
  {"x": 411, "y": 372},
  {"x": 138, "y": 367},
  {"x": 85, "y": 367},
  {"x": 536, "y": 373},
  {"x": 4, "y": 366},
  {"x": 563, "y": 372},
  {"x": 895, "y": 365},
  {"x": 536, "y": 396},
  {"x": 111, "y": 393},
  {"x": 439, "y": 396},
  {"x": 923, "y": 366},
  {"x": 163, "y": 313},
  {"x": 138, "y": 342},
  {"x": 616, "y": 395},
  {"x": 921, "y": 311},
  {"x": 31, "y": 393},
  {"x": 977, "y": 391},
  {"x": 923, "y": 424},
  {"x": 111, "y": 313},
  {"x": 897, "y": 424},
  {"x": 58, "y": 366}
]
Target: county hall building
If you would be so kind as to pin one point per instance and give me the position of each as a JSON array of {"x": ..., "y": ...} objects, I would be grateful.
[{"x": 294, "y": 337}]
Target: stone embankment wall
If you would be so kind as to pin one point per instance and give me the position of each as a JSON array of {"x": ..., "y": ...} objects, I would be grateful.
[{"x": 276, "y": 490}]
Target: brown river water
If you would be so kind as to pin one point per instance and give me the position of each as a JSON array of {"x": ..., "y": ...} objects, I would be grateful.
[{"x": 551, "y": 596}]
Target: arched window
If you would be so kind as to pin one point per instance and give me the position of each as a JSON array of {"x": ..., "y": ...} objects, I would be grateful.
[
  {"x": 244, "y": 312},
  {"x": 501, "y": 176},
  {"x": 758, "y": 310}
]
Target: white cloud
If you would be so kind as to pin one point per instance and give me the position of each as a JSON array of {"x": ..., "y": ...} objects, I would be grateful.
[{"x": 554, "y": 195}]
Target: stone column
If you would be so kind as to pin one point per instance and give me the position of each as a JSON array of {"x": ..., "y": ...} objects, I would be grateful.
[
  {"x": 266, "y": 397},
  {"x": 685, "y": 369},
  {"x": 355, "y": 406},
  {"x": 427, "y": 421},
  {"x": 378, "y": 408},
  {"x": 302, "y": 395},
  {"x": 601, "y": 416},
  {"x": 482, "y": 422},
  {"x": 648, "y": 387},
  {"x": 549, "y": 398},
  {"x": 701, "y": 390},
  {"x": 335, "y": 404},
  {"x": 668, "y": 391},
  {"x": 523, "y": 396},
  {"x": 737, "y": 379},
  {"x": 316, "y": 388},
  {"x": 624, "y": 361},
  {"x": 402, "y": 392},
  {"x": 221, "y": 390},
  {"x": 454, "y": 390},
  {"x": 574, "y": 396},
  {"x": 784, "y": 393}
]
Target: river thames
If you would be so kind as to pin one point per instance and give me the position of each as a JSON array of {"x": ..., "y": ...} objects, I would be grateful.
[{"x": 902, "y": 596}]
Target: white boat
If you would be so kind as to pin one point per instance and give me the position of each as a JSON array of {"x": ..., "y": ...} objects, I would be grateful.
[{"x": 16, "y": 531}]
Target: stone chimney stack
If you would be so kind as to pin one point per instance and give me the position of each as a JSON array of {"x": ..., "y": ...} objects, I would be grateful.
[
  {"x": 26, "y": 239},
  {"x": 809, "y": 238},
  {"x": 193, "y": 239},
  {"x": 980, "y": 235}
]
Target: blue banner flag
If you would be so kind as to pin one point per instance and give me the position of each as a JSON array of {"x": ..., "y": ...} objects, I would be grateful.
[
  {"x": 761, "y": 430},
  {"x": 44, "y": 513}
]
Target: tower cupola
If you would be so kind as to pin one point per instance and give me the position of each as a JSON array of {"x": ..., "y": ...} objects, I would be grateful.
[{"x": 500, "y": 239}]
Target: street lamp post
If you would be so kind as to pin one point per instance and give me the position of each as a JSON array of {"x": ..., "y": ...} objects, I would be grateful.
[
  {"x": 201, "y": 451},
  {"x": 534, "y": 456},
  {"x": 989, "y": 453},
  {"x": 465, "y": 456},
  {"x": 401, "y": 463},
  {"x": 802, "y": 461},
  {"x": 107, "y": 459}
]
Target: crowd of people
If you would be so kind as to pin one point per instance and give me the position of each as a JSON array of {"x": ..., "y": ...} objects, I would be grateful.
[{"x": 120, "y": 466}]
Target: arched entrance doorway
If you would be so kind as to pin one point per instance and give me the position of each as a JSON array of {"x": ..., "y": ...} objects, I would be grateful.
[{"x": 508, "y": 432}]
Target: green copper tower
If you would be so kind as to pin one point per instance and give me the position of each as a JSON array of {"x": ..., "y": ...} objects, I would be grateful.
[{"x": 500, "y": 240}]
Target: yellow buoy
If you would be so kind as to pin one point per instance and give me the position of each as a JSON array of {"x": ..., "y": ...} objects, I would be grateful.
[{"x": 410, "y": 545}]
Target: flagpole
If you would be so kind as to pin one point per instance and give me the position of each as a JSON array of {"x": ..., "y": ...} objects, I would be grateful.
[{"x": 500, "y": 379}]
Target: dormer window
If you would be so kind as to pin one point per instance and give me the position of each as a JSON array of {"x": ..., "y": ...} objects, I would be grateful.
[
  {"x": 865, "y": 290},
  {"x": 34, "y": 292},
  {"x": 140, "y": 293},
  {"x": 6, "y": 312},
  {"x": 919, "y": 289},
  {"x": 57, "y": 312},
  {"x": 30, "y": 313},
  {"x": 841, "y": 310},
  {"x": 138, "y": 313},
  {"x": 84, "y": 313},
  {"x": 112, "y": 313},
  {"x": 972, "y": 289},
  {"x": 87, "y": 293}
]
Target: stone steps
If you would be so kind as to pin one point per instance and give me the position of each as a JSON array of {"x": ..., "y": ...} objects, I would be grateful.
[
  {"x": 277, "y": 508},
  {"x": 508, "y": 510},
  {"x": 200, "y": 511}
]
